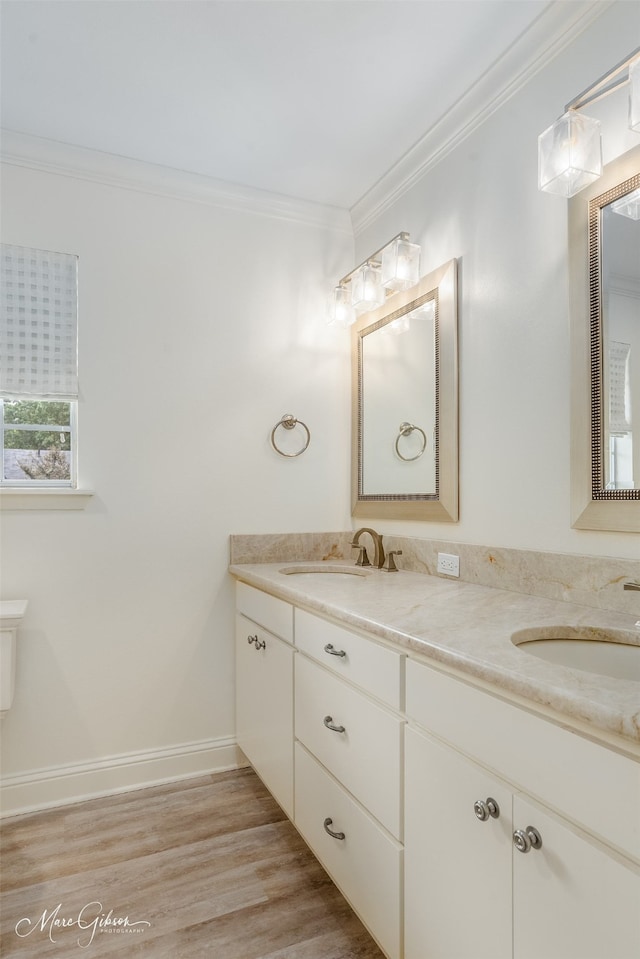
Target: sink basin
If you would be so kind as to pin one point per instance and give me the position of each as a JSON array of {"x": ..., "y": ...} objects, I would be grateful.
[
  {"x": 614, "y": 653},
  {"x": 325, "y": 569}
]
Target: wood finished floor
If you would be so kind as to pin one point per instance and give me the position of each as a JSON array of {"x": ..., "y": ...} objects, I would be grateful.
[{"x": 212, "y": 864}]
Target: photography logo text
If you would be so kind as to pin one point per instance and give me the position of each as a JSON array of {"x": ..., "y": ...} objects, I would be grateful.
[{"x": 90, "y": 921}]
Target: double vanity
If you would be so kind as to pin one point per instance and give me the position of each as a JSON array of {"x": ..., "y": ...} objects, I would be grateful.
[{"x": 470, "y": 798}]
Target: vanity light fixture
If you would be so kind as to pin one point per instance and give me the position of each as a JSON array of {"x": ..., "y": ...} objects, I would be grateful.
[
  {"x": 570, "y": 150},
  {"x": 400, "y": 264},
  {"x": 341, "y": 311},
  {"x": 395, "y": 266},
  {"x": 367, "y": 291}
]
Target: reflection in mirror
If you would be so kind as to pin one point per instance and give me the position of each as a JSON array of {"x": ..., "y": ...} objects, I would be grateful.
[
  {"x": 604, "y": 232},
  {"x": 620, "y": 299},
  {"x": 405, "y": 441},
  {"x": 399, "y": 403}
]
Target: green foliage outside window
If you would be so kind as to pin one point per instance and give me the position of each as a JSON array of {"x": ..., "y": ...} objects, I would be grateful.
[{"x": 37, "y": 413}]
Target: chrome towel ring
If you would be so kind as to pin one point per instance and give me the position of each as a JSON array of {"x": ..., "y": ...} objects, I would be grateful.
[
  {"x": 289, "y": 422},
  {"x": 406, "y": 429}
]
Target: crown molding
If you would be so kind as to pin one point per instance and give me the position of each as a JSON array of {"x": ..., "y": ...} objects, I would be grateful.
[
  {"x": 62, "y": 159},
  {"x": 557, "y": 26}
]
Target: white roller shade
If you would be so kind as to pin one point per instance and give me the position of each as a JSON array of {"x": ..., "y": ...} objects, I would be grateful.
[{"x": 38, "y": 323}]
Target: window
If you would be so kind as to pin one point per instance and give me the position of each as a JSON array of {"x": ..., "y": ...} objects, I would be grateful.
[{"x": 38, "y": 367}]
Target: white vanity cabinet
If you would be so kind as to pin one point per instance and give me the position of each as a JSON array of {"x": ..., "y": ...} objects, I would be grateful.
[
  {"x": 349, "y": 768},
  {"x": 264, "y": 689},
  {"x": 410, "y": 785},
  {"x": 470, "y": 893}
]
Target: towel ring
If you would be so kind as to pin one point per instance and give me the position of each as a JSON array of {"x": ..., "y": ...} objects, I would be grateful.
[
  {"x": 405, "y": 430},
  {"x": 289, "y": 422}
]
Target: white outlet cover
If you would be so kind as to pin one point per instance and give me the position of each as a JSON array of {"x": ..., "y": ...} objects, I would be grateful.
[{"x": 449, "y": 564}]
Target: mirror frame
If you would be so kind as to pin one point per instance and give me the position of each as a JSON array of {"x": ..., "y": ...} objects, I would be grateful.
[
  {"x": 441, "y": 506},
  {"x": 592, "y": 506}
]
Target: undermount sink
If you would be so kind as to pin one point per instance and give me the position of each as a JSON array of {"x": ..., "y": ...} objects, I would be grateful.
[
  {"x": 614, "y": 653},
  {"x": 324, "y": 568}
]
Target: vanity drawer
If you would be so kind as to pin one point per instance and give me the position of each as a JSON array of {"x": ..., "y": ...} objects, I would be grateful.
[
  {"x": 272, "y": 613},
  {"x": 366, "y": 865},
  {"x": 595, "y": 786},
  {"x": 367, "y": 756},
  {"x": 366, "y": 663}
]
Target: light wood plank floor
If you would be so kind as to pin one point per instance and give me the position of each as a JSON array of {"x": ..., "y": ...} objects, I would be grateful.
[{"x": 211, "y": 864}]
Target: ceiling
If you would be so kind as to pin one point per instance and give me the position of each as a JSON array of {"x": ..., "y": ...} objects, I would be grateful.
[{"x": 312, "y": 99}]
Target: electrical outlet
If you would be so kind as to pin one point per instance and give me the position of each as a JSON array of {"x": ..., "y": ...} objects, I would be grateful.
[{"x": 448, "y": 564}]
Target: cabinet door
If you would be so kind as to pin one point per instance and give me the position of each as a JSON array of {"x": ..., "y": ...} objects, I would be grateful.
[
  {"x": 264, "y": 707},
  {"x": 457, "y": 867},
  {"x": 573, "y": 899}
]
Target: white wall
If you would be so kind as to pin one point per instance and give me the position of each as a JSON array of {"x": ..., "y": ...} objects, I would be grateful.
[
  {"x": 200, "y": 327},
  {"x": 481, "y": 204}
]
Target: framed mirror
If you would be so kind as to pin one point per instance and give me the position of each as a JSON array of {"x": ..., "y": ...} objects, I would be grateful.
[
  {"x": 405, "y": 404},
  {"x": 604, "y": 249}
]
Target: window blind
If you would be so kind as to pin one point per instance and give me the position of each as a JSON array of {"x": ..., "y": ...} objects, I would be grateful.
[{"x": 38, "y": 323}]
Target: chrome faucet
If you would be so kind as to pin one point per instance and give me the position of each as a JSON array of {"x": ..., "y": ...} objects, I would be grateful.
[{"x": 363, "y": 559}]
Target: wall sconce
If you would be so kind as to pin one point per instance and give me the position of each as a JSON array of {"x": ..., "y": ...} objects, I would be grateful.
[
  {"x": 395, "y": 266},
  {"x": 570, "y": 150}
]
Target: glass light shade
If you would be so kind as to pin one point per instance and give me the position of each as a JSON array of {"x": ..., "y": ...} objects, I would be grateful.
[
  {"x": 569, "y": 154},
  {"x": 400, "y": 264},
  {"x": 367, "y": 292},
  {"x": 634, "y": 95},
  {"x": 628, "y": 205},
  {"x": 341, "y": 311}
]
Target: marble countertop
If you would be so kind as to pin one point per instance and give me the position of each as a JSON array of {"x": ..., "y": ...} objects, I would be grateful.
[{"x": 469, "y": 628}]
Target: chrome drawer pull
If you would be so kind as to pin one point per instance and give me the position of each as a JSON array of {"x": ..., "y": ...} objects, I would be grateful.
[
  {"x": 334, "y": 652},
  {"x": 261, "y": 643},
  {"x": 485, "y": 808},
  {"x": 526, "y": 839},
  {"x": 328, "y": 721},
  {"x": 335, "y": 835},
  {"x": 252, "y": 639}
]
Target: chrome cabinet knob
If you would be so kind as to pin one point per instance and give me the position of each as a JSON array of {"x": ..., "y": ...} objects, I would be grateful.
[
  {"x": 329, "y": 648},
  {"x": 485, "y": 808},
  {"x": 252, "y": 639},
  {"x": 328, "y": 721},
  {"x": 261, "y": 643},
  {"x": 335, "y": 835},
  {"x": 526, "y": 839}
]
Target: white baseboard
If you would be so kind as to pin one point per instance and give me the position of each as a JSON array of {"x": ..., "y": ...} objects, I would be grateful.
[{"x": 61, "y": 785}]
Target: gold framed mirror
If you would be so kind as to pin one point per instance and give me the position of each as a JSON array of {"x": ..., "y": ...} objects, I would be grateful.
[
  {"x": 405, "y": 404},
  {"x": 604, "y": 252}
]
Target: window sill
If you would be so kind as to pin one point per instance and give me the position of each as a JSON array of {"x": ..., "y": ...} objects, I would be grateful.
[{"x": 61, "y": 498}]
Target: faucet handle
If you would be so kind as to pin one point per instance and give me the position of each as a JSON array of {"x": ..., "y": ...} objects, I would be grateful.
[
  {"x": 390, "y": 565},
  {"x": 363, "y": 559}
]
